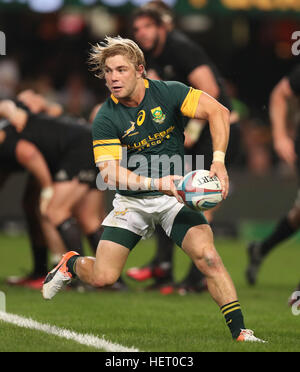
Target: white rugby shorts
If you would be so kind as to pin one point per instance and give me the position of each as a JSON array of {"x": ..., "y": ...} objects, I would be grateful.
[{"x": 140, "y": 215}]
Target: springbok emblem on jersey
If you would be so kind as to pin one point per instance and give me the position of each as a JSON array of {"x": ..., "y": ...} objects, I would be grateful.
[
  {"x": 130, "y": 129},
  {"x": 157, "y": 115}
]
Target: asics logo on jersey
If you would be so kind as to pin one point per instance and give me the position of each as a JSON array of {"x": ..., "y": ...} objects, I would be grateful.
[{"x": 141, "y": 117}]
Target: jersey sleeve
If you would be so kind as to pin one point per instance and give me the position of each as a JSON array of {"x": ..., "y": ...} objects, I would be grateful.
[
  {"x": 106, "y": 142},
  {"x": 8, "y": 147},
  {"x": 294, "y": 79},
  {"x": 186, "y": 98}
]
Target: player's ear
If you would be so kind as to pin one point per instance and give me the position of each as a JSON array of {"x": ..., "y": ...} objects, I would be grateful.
[{"x": 141, "y": 71}]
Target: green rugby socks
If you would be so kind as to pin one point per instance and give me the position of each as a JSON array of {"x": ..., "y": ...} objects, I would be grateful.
[
  {"x": 71, "y": 264},
  {"x": 234, "y": 317}
]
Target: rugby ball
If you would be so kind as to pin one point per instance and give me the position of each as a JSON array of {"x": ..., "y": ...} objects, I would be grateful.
[{"x": 199, "y": 191}]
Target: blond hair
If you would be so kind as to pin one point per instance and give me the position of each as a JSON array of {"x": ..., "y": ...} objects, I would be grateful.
[{"x": 111, "y": 47}]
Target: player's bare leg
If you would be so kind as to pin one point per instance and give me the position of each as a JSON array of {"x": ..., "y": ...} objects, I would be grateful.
[
  {"x": 66, "y": 196},
  {"x": 106, "y": 268},
  {"x": 60, "y": 211},
  {"x": 90, "y": 211},
  {"x": 55, "y": 243},
  {"x": 209, "y": 214},
  {"x": 103, "y": 270},
  {"x": 198, "y": 244}
]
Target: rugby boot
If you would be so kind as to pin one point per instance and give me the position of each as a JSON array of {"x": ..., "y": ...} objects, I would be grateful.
[
  {"x": 247, "y": 335},
  {"x": 58, "y": 277}
]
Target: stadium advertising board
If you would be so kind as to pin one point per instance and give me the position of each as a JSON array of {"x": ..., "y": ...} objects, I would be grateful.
[{"x": 184, "y": 6}]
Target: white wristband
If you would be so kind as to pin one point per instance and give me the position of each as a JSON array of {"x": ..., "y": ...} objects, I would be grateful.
[
  {"x": 147, "y": 183},
  {"x": 219, "y": 156},
  {"x": 47, "y": 192},
  {"x": 153, "y": 185}
]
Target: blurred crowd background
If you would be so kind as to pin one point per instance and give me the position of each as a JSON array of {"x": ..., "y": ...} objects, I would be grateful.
[{"x": 47, "y": 46}]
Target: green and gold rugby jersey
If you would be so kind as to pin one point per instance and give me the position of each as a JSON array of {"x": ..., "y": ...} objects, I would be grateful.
[{"x": 152, "y": 133}]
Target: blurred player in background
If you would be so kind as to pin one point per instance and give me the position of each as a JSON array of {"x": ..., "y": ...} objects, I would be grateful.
[
  {"x": 74, "y": 192},
  {"x": 15, "y": 156},
  {"x": 288, "y": 149},
  {"x": 90, "y": 209},
  {"x": 170, "y": 55}
]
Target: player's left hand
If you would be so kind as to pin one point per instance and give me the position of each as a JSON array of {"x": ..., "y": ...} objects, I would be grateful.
[{"x": 218, "y": 169}]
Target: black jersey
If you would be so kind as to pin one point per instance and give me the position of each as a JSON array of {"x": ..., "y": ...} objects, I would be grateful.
[
  {"x": 179, "y": 58},
  {"x": 8, "y": 161},
  {"x": 54, "y": 137},
  {"x": 66, "y": 147}
]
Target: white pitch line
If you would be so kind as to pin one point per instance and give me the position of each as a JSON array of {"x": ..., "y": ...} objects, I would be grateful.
[{"x": 83, "y": 339}]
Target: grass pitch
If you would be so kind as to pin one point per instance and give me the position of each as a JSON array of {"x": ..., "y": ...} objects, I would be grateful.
[{"x": 150, "y": 321}]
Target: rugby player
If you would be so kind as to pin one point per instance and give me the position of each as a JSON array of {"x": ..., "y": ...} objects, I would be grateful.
[
  {"x": 147, "y": 117},
  {"x": 15, "y": 156},
  {"x": 171, "y": 55},
  {"x": 75, "y": 193},
  {"x": 287, "y": 149}
]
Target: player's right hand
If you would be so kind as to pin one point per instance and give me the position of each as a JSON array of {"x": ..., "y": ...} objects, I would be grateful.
[
  {"x": 218, "y": 169},
  {"x": 285, "y": 148},
  {"x": 167, "y": 186}
]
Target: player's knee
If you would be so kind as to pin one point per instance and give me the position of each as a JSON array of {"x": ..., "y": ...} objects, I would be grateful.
[
  {"x": 88, "y": 224},
  {"x": 56, "y": 216},
  {"x": 213, "y": 260},
  {"x": 209, "y": 262},
  {"x": 105, "y": 279},
  {"x": 52, "y": 215}
]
